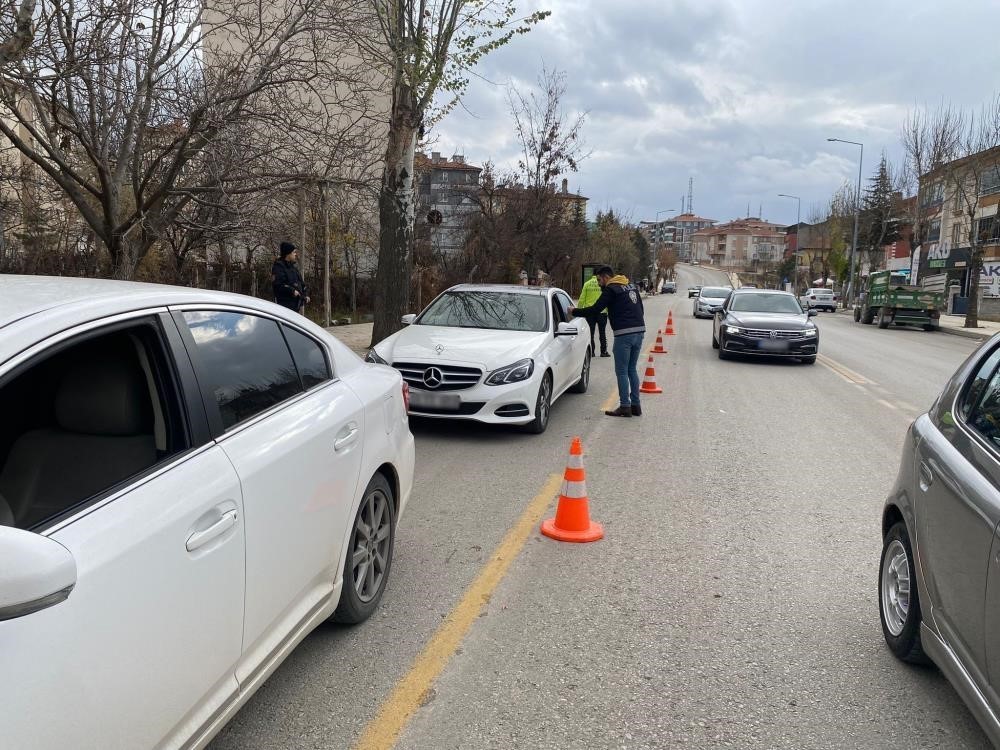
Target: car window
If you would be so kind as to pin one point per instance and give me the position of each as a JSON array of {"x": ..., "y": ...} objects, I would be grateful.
[
  {"x": 565, "y": 303},
  {"x": 557, "y": 314},
  {"x": 978, "y": 384},
  {"x": 83, "y": 420},
  {"x": 766, "y": 302},
  {"x": 246, "y": 361},
  {"x": 715, "y": 292},
  {"x": 984, "y": 416},
  {"x": 309, "y": 356},
  {"x": 487, "y": 309}
]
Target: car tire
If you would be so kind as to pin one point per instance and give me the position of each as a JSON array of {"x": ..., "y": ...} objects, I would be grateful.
[
  {"x": 809, "y": 360},
  {"x": 930, "y": 328},
  {"x": 543, "y": 406},
  {"x": 581, "y": 385},
  {"x": 884, "y": 320},
  {"x": 857, "y": 314},
  {"x": 369, "y": 554},
  {"x": 867, "y": 315},
  {"x": 899, "y": 613}
]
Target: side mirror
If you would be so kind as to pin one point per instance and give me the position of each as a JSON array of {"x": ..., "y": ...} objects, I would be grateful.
[
  {"x": 567, "y": 329},
  {"x": 812, "y": 313},
  {"x": 37, "y": 573},
  {"x": 407, "y": 319}
]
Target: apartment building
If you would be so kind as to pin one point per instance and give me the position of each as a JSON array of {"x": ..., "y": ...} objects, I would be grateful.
[
  {"x": 446, "y": 199},
  {"x": 749, "y": 245}
]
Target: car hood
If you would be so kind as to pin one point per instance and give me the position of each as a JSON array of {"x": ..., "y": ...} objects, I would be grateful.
[
  {"x": 489, "y": 349},
  {"x": 772, "y": 321}
]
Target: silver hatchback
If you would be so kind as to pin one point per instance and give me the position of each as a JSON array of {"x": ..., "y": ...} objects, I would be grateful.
[{"x": 939, "y": 578}]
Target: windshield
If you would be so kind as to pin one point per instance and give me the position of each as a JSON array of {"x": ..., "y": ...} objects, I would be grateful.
[
  {"x": 715, "y": 291},
  {"x": 481, "y": 309},
  {"x": 766, "y": 303}
]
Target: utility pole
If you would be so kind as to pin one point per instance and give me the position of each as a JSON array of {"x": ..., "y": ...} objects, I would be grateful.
[
  {"x": 857, "y": 214},
  {"x": 324, "y": 188}
]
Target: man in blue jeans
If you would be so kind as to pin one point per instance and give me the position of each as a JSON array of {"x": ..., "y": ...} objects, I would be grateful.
[{"x": 623, "y": 303}]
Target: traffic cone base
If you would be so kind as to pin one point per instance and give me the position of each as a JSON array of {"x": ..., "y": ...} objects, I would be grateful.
[
  {"x": 649, "y": 381},
  {"x": 593, "y": 532},
  {"x": 659, "y": 348},
  {"x": 572, "y": 520}
]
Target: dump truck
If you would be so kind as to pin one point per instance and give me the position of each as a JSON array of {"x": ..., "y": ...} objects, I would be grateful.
[{"x": 890, "y": 300}]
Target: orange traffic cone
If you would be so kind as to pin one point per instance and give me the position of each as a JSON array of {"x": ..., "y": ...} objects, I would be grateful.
[
  {"x": 670, "y": 323},
  {"x": 649, "y": 382},
  {"x": 572, "y": 521},
  {"x": 659, "y": 348}
]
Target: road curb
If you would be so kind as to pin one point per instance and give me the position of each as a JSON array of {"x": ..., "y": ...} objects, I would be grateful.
[{"x": 966, "y": 333}]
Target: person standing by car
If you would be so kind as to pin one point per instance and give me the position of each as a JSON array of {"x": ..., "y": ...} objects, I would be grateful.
[
  {"x": 590, "y": 293},
  {"x": 289, "y": 289},
  {"x": 623, "y": 303}
]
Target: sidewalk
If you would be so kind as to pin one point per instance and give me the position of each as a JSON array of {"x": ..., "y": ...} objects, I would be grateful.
[
  {"x": 955, "y": 325},
  {"x": 355, "y": 337}
]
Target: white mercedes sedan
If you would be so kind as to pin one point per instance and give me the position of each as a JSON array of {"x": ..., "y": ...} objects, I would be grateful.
[
  {"x": 190, "y": 482},
  {"x": 491, "y": 353}
]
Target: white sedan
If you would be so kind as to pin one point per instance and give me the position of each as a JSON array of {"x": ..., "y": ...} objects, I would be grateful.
[
  {"x": 190, "y": 482},
  {"x": 492, "y": 353}
]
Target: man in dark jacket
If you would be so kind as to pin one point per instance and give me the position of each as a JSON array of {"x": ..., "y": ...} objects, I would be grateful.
[
  {"x": 623, "y": 302},
  {"x": 289, "y": 289}
]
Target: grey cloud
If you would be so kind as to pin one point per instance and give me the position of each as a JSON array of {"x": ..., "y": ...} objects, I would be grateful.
[{"x": 740, "y": 94}]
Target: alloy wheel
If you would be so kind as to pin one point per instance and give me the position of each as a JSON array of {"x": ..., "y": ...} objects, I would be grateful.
[
  {"x": 370, "y": 553},
  {"x": 544, "y": 397},
  {"x": 895, "y": 587}
]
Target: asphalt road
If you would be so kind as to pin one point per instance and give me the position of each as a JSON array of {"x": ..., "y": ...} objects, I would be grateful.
[{"x": 732, "y": 602}]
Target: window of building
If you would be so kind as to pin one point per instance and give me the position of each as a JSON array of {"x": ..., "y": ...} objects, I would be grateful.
[
  {"x": 933, "y": 194},
  {"x": 934, "y": 232},
  {"x": 989, "y": 181},
  {"x": 246, "y": 361},
  {"x": 956, "y": 234},
  {"x": 988, "y": 230}
]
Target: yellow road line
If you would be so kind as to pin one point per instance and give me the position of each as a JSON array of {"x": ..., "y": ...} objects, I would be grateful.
[
  {"x": 845, "y": 372},
  {"x": 410, "y": 692}
]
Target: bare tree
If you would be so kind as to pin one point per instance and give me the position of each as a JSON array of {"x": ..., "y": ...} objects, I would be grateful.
[
  {"x": 122, "y": 104},
  {"x": 16, "y": 31},
  {"x": 429, "y": 47}
]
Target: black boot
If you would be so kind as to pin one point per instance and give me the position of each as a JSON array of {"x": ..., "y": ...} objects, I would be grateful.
[{"x": 621, "y": 411}]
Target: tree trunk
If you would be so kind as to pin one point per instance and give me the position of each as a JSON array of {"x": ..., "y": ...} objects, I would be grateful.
[
  {"x": 396, "y": 215},
  {"x": 975, "y": 271}
]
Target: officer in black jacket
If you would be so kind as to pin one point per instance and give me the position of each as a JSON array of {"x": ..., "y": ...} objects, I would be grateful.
[
  {"x": 289, "y": 289},
  {"x": 623, "y": 302}
]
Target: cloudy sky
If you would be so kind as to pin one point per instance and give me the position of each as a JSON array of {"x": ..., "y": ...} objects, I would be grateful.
[{"x": 741, "y": 95}]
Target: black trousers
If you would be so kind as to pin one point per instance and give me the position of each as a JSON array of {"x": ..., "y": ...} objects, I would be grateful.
[{"x": 602, "y": 321}]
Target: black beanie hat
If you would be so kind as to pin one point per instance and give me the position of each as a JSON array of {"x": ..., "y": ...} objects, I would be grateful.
[{"x": 286, "y": 248}]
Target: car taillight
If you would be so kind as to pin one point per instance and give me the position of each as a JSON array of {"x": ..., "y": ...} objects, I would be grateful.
[{"x": 406, "y": 396}]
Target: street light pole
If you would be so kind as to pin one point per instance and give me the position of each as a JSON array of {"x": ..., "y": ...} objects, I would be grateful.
[
  {"x": 857, "y": 213},
  {"x": 798, "y": 225}
]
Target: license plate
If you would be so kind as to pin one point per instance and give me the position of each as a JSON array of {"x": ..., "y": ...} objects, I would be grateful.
[
  {"x": 768, "y": 345},
  {"x": 443, "y": 401}
]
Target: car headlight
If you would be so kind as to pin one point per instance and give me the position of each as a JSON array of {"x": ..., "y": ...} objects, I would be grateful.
[
  {"x": 734, "y": 329},
  {"x": 372, "y": 356},
  {"x": 809, "y": 333},
  {"x": 515, "y": 373}
]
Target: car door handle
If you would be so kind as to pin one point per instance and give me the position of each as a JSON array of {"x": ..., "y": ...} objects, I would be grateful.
[
  {"x": 926, "y": 476},
  {"x": 347, "y": 437},
  {"x": 217, "y": 529}
]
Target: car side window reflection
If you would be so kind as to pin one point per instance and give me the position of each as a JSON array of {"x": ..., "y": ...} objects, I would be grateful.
[
  {"x": 247, "y": 361},
  {"x": 984, "y": 379},
  {"x": 985, "y": 416}
]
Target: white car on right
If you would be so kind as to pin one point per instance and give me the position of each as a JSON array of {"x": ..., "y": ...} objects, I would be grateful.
[{"x": 819, "y": 298}]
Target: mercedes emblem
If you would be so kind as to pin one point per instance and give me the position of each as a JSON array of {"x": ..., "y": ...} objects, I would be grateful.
[
  {"x": 433, "y": 377},
  {"x": 439, "y": 348}
]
